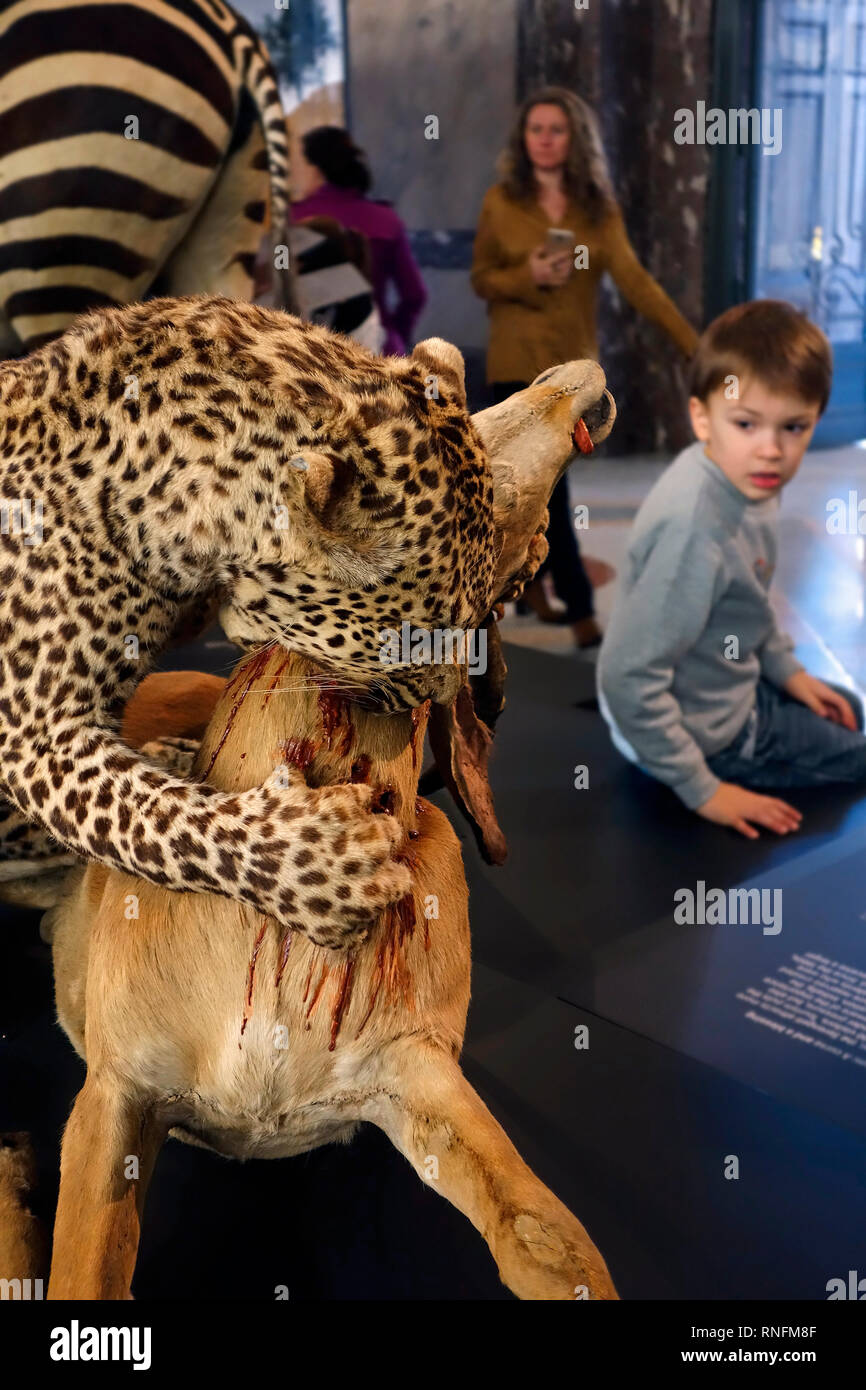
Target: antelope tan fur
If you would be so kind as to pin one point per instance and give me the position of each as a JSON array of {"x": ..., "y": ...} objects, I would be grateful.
[{"x": 200, "y": 1018}]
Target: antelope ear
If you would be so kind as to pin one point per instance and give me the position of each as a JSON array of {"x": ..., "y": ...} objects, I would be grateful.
[
  {"x": 442, "y": 359},
  {"x": 460, "y": 742},
  {"x": 328, "y": 484}
]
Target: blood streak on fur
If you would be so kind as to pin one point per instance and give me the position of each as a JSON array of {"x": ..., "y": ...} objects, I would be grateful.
[
  {"x": 252, "y": 670},
  {"x": 299, "y": 752},
  {"x": 284, "y": 956},
  {"x": 248, "y": 1007},
  {"x": 400, "y": 927},
  {"x": 279, "y": 671},
  {"x": 335, "y": 714},
  {"x": 342, "y": 997},
  {"x": 392, "y": 967},
  {"x": 309, "y": 978},
  {"x": 326, "y": 970},
  {"x": 398, "y": 921},
  {"x": 377, "y": 978}
]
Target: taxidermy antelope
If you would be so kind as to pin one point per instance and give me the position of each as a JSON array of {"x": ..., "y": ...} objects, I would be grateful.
[{"x": 280, "y": 1045}]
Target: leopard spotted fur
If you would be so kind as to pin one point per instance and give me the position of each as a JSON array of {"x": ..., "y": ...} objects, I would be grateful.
[{"x": 185, "y": 447}]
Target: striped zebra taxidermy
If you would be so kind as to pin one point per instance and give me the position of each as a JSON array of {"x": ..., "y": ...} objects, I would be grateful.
[
  {"x": 333, "y": 280},
  {"x": 142, "y": 147}
]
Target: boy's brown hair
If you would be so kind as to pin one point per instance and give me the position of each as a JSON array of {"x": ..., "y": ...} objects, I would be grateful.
[{"x": 769, "y": 340}]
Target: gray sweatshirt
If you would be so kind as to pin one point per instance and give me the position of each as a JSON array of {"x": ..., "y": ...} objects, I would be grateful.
[{"x": 692, "y": 629}]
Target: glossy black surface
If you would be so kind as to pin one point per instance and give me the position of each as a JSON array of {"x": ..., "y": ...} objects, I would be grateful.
[{"x": 632, "y": 1132}]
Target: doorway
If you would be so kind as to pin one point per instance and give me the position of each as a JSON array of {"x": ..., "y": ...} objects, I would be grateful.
[{"x": 792, "y": 225}]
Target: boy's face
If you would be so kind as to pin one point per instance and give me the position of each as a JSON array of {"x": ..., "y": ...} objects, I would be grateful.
[{"x": 758, "y": 440}]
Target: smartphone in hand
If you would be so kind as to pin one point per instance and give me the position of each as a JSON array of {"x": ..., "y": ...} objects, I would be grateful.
[{"x": 558, "y": 239}]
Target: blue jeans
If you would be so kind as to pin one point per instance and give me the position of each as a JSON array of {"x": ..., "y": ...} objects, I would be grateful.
[{"x": 785, "y": 744}]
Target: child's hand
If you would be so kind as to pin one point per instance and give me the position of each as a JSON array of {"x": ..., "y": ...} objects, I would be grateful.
[
  {"x": 735, "y": 806},
  {"x": 821, "y": 698}
]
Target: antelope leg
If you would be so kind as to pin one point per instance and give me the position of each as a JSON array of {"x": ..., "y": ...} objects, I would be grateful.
[
  {"x": 109, "y": 1149},
  {"x": 441, "y": 1125},
  {"x": 23, "y": 1241}
]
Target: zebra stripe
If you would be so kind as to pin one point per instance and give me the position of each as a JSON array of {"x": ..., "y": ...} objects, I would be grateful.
[
  {"x": 60, "y": 114},
  {"x": 89, "y": 217},
  {"x": 122, "y": 30}
]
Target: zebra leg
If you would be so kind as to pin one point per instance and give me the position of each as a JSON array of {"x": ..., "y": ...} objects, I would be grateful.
[{"x": 218, "y": 253}]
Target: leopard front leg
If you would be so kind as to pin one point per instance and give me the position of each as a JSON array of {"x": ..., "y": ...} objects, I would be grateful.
[{"x": 318, "y": 860}]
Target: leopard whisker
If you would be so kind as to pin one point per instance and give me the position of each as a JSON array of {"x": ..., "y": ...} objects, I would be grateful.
[{"x": 314, "y": 687}]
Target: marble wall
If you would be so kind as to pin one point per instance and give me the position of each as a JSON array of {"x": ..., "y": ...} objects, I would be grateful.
[
  {"x": 455, "y": 60},
  {"x": 637, "y": 62},
  {"x": 469, "y": 64}
]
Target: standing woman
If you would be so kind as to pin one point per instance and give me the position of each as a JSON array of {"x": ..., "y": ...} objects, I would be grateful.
[{"x": 542, "y": 309}]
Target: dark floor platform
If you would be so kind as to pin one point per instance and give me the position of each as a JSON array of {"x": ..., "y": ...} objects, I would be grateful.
[
  {"x": 584, "y": 907},
  {"x": 634, "y": 1131}
]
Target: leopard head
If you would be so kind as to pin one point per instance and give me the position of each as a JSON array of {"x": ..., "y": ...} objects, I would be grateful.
[{"x": 407, "y": 518}]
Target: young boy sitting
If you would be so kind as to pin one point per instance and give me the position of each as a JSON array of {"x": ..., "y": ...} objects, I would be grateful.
[{"x": 699, "y": 686}]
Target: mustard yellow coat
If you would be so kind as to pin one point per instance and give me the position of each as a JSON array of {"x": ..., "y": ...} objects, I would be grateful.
[{"x": 533, "y": 327}]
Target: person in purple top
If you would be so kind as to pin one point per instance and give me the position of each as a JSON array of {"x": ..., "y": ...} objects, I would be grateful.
[{"x": 336, "y": 178}]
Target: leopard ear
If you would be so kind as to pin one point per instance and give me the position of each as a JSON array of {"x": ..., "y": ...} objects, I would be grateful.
[
  {"x": 328, "y": 482},
  {"x": 442, "y": 360}
]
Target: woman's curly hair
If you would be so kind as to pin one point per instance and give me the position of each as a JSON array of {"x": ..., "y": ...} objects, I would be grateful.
[{"x": 586, "y": 176}]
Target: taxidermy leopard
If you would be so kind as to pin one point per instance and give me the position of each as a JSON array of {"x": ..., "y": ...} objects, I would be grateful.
[{"x": 162, "y": 452}]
